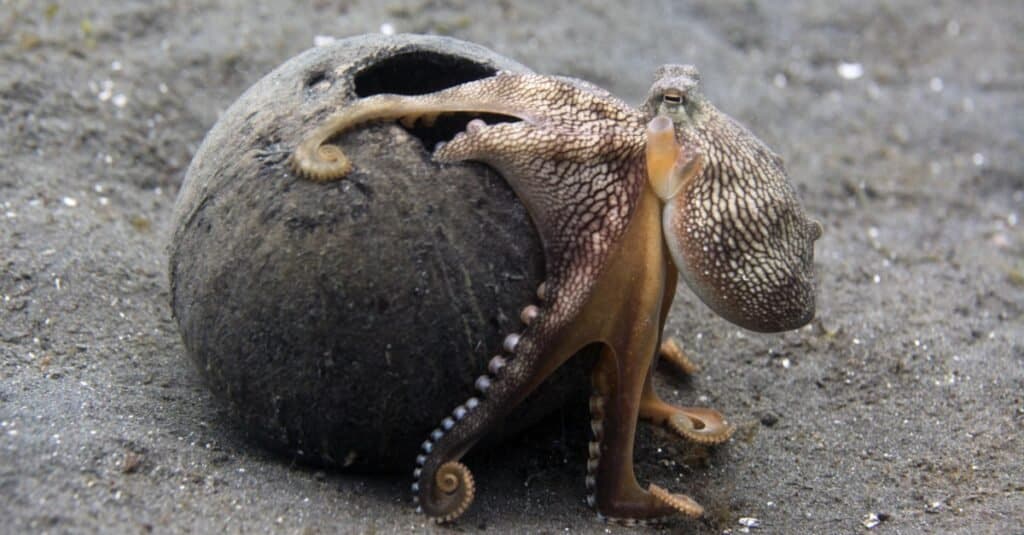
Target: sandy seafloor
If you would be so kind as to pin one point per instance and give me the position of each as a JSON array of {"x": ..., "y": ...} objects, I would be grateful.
[{"x": 902, "y": 127}]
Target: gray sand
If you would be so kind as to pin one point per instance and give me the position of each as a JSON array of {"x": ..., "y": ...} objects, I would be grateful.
[{"x": 901, "y": 126}]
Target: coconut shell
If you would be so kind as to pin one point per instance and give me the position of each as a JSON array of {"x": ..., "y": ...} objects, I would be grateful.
[{"x": 340, "y": 322}]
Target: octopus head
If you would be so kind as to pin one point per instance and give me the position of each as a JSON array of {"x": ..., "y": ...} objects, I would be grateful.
[{"x": 731, "y": 218}]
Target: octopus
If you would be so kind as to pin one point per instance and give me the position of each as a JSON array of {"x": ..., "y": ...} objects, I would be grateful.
[{"x": 626, "y": 200}]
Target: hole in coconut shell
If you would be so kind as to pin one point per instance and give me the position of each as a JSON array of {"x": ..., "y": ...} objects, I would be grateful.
[
  {"x": 422, "y": 72},
  {"x": 315, "y": 78},
  {"x": 418, "y": 73}
]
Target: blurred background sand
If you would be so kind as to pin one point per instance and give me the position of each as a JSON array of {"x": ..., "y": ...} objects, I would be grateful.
[{"x": 900, "y": 407}]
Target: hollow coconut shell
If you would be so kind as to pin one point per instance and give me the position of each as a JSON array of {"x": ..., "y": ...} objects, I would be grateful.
[{"x": 340, "y": 322}]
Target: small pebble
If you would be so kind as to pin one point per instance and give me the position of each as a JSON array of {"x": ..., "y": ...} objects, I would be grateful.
[{"x": 850, "y": 71}]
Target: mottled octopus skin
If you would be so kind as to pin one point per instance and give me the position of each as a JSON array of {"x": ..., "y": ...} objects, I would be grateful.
[{"x": 618, "y": 194}]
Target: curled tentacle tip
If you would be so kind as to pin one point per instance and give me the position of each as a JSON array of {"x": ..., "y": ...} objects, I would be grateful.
[
  {"x": 680, "y": 502},
  {"x": 453, "y": 492},
  {"x": 703, "y": 426},
  {"x": 322, "y": 164}
]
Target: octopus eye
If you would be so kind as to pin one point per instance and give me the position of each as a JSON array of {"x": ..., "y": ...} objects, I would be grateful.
[{"x": 674, "y": 98}]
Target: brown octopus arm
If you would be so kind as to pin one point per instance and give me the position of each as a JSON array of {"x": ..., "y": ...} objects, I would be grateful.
[
  {"x": 608, "y": 281},
  {"x": 697, "y": 424},
  {"x": 581, "y": 197},
  {"x": 527, "y": 97},
  {"x": 671, "y": 352},
  {"x": 611, "y": 295},
  {"x": 608, "y": 275},
  {"x": 626, "y": 313}
]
